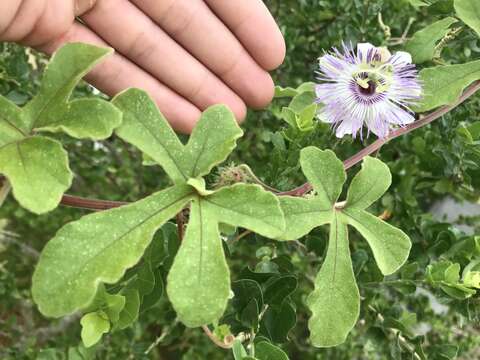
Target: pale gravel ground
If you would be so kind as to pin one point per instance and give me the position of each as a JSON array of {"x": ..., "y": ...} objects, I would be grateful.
[{"x": 449, "y": 210}]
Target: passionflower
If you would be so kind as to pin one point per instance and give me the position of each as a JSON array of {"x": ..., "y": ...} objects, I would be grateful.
[{"x": 369, "y": 87}]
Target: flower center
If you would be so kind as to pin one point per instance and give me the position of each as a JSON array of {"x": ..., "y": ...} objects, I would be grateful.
[
  {"x": 368, "y": 88},
  {"x": 370, "y": 83}
]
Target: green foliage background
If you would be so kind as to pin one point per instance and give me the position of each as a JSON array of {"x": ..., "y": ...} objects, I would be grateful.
[{"x": 435, "y": 162}]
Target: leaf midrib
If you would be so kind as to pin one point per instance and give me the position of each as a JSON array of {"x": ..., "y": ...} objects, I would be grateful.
[
  {"x": 154, "y": 135},
  {"x": 64, "y": 85},
  {"x": 238, "y": 212},
  {"x": 457, "y": 80},
  {"x": 200, "y": 260},
  {"x": 13, "y": 126},
  {"x": 213, "y": 145},
  {"x": 385, "y": 243},
  {"x": 126, "y": 233},
  {"x": 362, "y": 196}
]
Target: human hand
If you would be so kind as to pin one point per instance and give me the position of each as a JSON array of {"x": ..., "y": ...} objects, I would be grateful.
[{"x": 188, "y": 54}]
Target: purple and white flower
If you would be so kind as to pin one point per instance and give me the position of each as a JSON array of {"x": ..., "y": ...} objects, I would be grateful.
[{"x": 369, "y": 87}]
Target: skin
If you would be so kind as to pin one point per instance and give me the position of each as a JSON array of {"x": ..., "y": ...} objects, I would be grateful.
[{"x": 188, "y": 54}]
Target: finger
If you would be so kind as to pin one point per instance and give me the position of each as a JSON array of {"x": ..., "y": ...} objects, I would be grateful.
[
  {"x": 9, "y": 10},
  {"x": 117, "y": 73},
  {"x": 130, "y": 31},
  {"x": 36, "y": 22},
  {"x": 192, "y": 24},
  {"x": 83, "y": 6},
  {"x": 256, "y": 29}
]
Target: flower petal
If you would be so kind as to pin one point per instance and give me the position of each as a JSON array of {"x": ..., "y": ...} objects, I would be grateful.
[
  {"x": 396, "y": 115},
  {"x": 402, "y": 57},
  {"x": 377, "y": 123},
  {"x": 363, "y": 50},
  {"x": 349, "y": 127}
]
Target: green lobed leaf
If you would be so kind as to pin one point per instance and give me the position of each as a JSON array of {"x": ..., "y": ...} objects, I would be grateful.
[
  {"x": 422, "y": 45},
  {"x": 290, "y": 117},
  {"x": 266, "y": 351},
  {"x": 445, "y": 351},
  {"x": 436, "y": 271},
  {"x": 111, "y": 304},
  {"x": 248, "y": 206},
  {"x": 472, "y": 279},
  {"x": 79, "y": 352},
  {"x": 469, "y": 12},
  {"x": 249, "y": 315},
  {"x": 239, "y": 351},
  {"x": 145, "y": 127},
  {"x": 129, "y": 313},
  {"x": 278, "y": 288},
  {"x": 452, "y": 273},
  {"x": 443, "y": 85},
  {"x": 390, "y": 245},
  {"x": 325, "y": 172},
  {"x": 302, "y": 101},
  {"x": 331, "y": 300},
  {"x": 277, "y": 322},
  {"x": 71, "y": 265},
  {"x": 335, "y": 302},
  {"x": 37, "y": 169},
  {"x": 50, "y": 109},
  {"x": 302, "y": 215},
  {"x": 245, "y": 290},
  {"x": 305, "y": 120},
  {"x": 94, "y": 325},
  {"x": 84, "y": 118},
  {"x": 12, "y": 123},
  {"x": 446, "y": 276},
  {"x": 371, "y": 182},
  {"x": 198, "y": 283},
  {"x": 281, "y": 92},
  {"x": 157, "y": 252},
  {"x": 212, "y": 140},
  {"x": 145, "y": 282},
  {"x": 155, "y": 295},
  {"x": 115, "y": 305}
]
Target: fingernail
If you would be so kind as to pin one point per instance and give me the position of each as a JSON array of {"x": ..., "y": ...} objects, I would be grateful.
[{"x": 83, "y": 6}]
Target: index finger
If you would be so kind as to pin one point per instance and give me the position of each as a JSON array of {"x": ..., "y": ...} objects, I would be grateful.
[{"x": 254, "y": 27}]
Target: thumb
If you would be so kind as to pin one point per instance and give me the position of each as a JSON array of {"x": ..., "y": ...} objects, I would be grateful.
[{"x": 83, "y": 6}]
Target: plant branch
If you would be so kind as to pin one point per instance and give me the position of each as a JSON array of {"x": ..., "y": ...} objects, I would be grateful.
[
  {"x": 97, "y": 205},
  {"x": 215, "y": 340},
  {"x": 90, "y": 204},
  {"x": 180, "y": 225},
  {"x": 242, "y": 235},
  {"x": 358, "y": 157},
  {"x": 5, "y": 188}
]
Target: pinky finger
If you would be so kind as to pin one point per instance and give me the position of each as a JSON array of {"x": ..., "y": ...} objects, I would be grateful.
[{"x": 117, "y": 73}]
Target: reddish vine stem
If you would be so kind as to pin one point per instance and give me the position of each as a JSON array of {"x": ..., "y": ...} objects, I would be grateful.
[
  {"x": 180, "y": 225},
  {"x": 215, "y": 340},
  {"x": 358, "y": 157},
  {"x": 90, "y": 204},
  {"x": 97, "y": 205}
]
